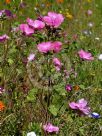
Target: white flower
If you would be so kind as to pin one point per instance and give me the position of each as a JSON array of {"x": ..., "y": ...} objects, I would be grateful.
[
  {"x": 97, "y": 38},
  {"x": 31, "y": 57},
  {"x": 31, "y": 134},
  {"x": 100, "y": 57},
  {"x": 90, "y": 24}
]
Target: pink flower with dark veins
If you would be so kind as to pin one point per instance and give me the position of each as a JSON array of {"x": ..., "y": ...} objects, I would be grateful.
[
  {"x": 26, "y": 29},
  {"x": 56, "y": 46},
  {"x": 53, "y": 19},
  {"x": 81, "y": 106},
  {"x": 85, "y": 55},
  {"x": 3, "y": 38},
  {"x": 36, "y": 24},
  {"x": 50, "y": 128}
]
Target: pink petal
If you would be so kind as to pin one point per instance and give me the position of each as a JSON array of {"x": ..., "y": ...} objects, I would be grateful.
[
  {"x": 26, "y": 29},
  {"x": 3, "y": 38},
  {"x": 36, "y": 24},
  {"x": 85, "y": 55},
  {"x": 56, "y": 46},
  {"x": 53, "y": 19},
  {"x": 50, "y": 128},
  {"x": 44, "y": 47},
  {"x": 73, "y": 105}
]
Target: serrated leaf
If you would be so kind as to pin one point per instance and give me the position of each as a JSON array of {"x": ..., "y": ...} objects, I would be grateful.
[{"x": 10, "y": 61}]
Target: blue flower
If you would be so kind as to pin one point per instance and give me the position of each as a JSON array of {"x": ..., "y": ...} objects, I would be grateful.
[{"x": 95, "y": 115}]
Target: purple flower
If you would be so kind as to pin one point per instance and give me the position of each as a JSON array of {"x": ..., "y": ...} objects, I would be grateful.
[
  {"x": 6, "y": 12},
  {"x": 50, "y": 128},
  {"x": 81, "y": 106},
  {"x": 53, "y": 19},
  {"x": 85, "y": 55},
  {"x": 25, "y": 29},
  {"x": 36, "y": 24},
  {"x": 68, "y": 87},
  {"x": 3, "y": 38}
]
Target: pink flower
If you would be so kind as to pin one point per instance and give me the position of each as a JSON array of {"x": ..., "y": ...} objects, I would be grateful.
[
  {"x": 89, "y": 12},
  {"x": 68, "y": 87},
  {"x": 3, "y": 38},
  {"x": 26, "y": 29},
  {"x": 36, "y": 24},
  {"x": 53, "y": 19},
  {"x": 44, "y": 47},
  {"x": 50, "y": 128},
  {"x": 85, "y": 55},
  {"x": 57, "y": 64},
  {"x": 56, "y": 46},
  {"x": 81, "y": 105},
  {"x": 31, "y": 57}
]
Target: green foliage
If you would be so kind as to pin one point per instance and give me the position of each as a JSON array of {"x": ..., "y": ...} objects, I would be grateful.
[
  {"x": 31, "y": 97},
  {"x": 34, "y": 93}
]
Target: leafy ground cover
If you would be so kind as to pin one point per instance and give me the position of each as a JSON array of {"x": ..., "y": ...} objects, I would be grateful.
[{"x": 50, "y": 70}]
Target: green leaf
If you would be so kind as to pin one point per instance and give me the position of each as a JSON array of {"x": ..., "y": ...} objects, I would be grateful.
[
  {"x": 10, "y": 61},
  {"x": 54, "y": 110},
  {"x": 32, "y": 95},
  {"x": 82, "y": 87},
  {"x": 82, "y": 131},
  {"x": 60, "y": 89}
]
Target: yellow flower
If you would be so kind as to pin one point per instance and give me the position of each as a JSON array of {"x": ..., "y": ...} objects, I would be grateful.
[
  {"x": 60, "y": 11},
  {"x": 68, "y": 15},
  {"x": 89, "y": 1}
]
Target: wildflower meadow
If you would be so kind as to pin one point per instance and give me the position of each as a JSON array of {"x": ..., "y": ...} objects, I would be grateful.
[{"x": 50, "y": 67}]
